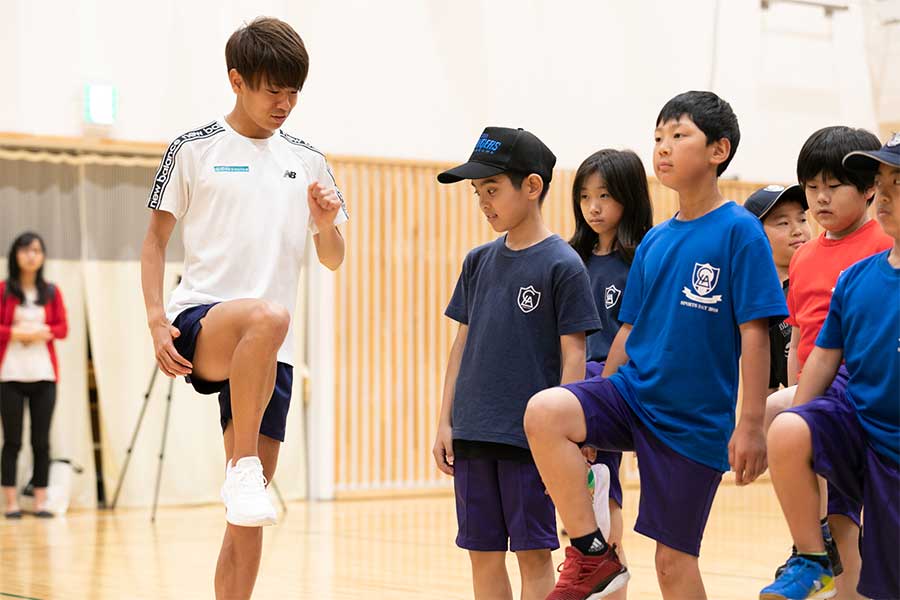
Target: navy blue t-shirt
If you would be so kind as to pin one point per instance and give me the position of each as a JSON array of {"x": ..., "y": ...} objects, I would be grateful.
[
  {"x": 608, "y": 275},
  {"x": 864, "y": 320},
  {"x": 517, "y": 304},
  {"x": 691, "y": 285}
]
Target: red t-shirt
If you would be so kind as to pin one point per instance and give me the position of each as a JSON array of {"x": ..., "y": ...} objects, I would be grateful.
[{"x": 814, "y": 271}]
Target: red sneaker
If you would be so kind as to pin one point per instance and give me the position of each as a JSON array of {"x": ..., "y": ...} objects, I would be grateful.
[{"x": 589, "y": 577}]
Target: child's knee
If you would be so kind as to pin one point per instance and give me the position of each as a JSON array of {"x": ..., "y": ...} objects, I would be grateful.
[
  {"x": 671, "y": 563},
  {"x": 534, "y": 563},
  {"x": 547, "y": 411},
  {"x": 488, "y": 562},
  {"x": 789, "y": 434}
]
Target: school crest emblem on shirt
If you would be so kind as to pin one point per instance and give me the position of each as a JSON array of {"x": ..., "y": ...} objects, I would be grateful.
[
  {"x": 612, "y": 295},
  {"x": 529, "y": 298},
  {"x": 704, "y": 281}
]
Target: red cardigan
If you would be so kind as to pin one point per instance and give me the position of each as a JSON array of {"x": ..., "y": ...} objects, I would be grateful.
[{"x": 55, "y": 312}]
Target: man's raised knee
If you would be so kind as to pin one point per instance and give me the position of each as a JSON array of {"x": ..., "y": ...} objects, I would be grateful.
[{"x": 269, "y": 319}]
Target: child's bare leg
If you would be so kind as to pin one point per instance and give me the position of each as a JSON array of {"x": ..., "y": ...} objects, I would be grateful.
[
  {"x": 490, "y": 579},
  {"x": 554, "y": 423},
  {"x": 846, "y": 535},
  {"x": 616, "y": 531},
  {"x": 790, "y": 462},
  {"x": 678, "y": 574},
  {"x": 536, "y": 569}
]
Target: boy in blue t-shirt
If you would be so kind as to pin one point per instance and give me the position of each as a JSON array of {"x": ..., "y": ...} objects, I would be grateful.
[
  {"x": 700, "y": 294},
  {"x": 852, "y": 439},
  {"x": 523, "y": 303}
]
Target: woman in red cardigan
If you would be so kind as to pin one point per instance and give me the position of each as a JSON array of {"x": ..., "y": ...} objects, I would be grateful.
[{"x": 32, "y": 315}]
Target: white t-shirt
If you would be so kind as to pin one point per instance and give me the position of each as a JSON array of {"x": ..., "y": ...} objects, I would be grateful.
[
  {"x": 242, "y": 203},
  {"x": 27, "y": 363}
]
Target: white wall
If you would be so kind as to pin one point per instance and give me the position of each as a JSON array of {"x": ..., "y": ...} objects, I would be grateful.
[{"x": 420, "y": 78}]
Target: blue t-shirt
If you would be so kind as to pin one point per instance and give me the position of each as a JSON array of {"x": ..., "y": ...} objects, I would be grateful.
[
  {"x": 691, "y": 285},
  {"x": 864, "y": 320},
  {"x": 517, "y": 304},
  {"x": 608, "y": 275}
]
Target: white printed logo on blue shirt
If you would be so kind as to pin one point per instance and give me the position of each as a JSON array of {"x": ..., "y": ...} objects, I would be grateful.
[
  {"x": 612, "y": 295},
  {"x": 704, "y": 280},
  {"x": 529, "y": 298}
]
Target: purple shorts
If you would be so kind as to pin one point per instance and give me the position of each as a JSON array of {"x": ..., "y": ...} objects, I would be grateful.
[
  {"x": 612, "y": 460},
  {"x": 839, "y": 503},
  {"x": 676, "y": 492},
  {"x": 502, "y": 505},
  {"x": 842, "y": 455}
]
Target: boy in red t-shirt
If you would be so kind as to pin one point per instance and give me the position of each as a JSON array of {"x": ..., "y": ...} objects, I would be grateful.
[{"x": 838, "y": 200}]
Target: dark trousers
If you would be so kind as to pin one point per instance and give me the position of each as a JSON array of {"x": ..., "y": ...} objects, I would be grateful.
[{"x": 41, "y": 397}]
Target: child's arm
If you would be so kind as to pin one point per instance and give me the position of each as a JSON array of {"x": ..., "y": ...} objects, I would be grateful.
[
  {"x": 324, "y": 205},
  {"x": 747, "y": 448},
  {"x": 617, "y": 355},
  {"x": 443, "y": 444},
  {"x": 818, "y": 373},
  {"x": 573, "y": 357},
  {"x": 793, "y": 362},
  {"x": 153, "y": 266}
]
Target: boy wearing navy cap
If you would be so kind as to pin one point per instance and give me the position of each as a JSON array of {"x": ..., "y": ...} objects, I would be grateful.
[
  {"x": 523, "y": 303},
  {"x": 782, "y": 211}
]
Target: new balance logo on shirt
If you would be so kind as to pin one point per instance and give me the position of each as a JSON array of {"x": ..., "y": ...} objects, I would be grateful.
[{"x": 291, "y": 174}]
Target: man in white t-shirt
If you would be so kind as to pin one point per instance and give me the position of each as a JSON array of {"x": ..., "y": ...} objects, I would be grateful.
[{"x": 246, "y": 194}]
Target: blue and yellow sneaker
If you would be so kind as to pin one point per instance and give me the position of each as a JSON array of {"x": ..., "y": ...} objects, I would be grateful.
[{"x": 801, "y": 579}]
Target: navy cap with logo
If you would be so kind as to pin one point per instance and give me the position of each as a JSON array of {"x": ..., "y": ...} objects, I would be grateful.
[
  {"x": 761, "y": 202},
  {"x": 501, "y": 150},
  {"x": 867, "y": 160}
]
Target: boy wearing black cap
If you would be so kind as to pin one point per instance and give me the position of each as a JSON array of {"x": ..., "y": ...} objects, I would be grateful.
[
  {"x": 782, "y": 212},
  {"x": 523, "y": 303},
  {"x": 852, "y": 439}
]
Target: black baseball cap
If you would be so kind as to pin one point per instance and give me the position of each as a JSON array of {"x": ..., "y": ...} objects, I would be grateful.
[
  {"x": 500, "y": 150},
  {"x": 763, "y": 200},
  {"x": 867, "y": 160}
]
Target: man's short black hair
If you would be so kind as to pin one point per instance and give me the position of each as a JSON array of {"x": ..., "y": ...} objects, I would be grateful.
[
  {"x": 268, "y": 49},
  {"x": 712, "y": 115}
]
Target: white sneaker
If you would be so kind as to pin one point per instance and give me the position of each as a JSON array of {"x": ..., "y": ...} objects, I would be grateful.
[{"x": 247, "y": 502}]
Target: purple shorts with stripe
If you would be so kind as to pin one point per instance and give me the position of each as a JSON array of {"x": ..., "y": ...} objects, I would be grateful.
[
  {"x": 842, "y": 455},
  {"x": 676, "y": 492}
]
